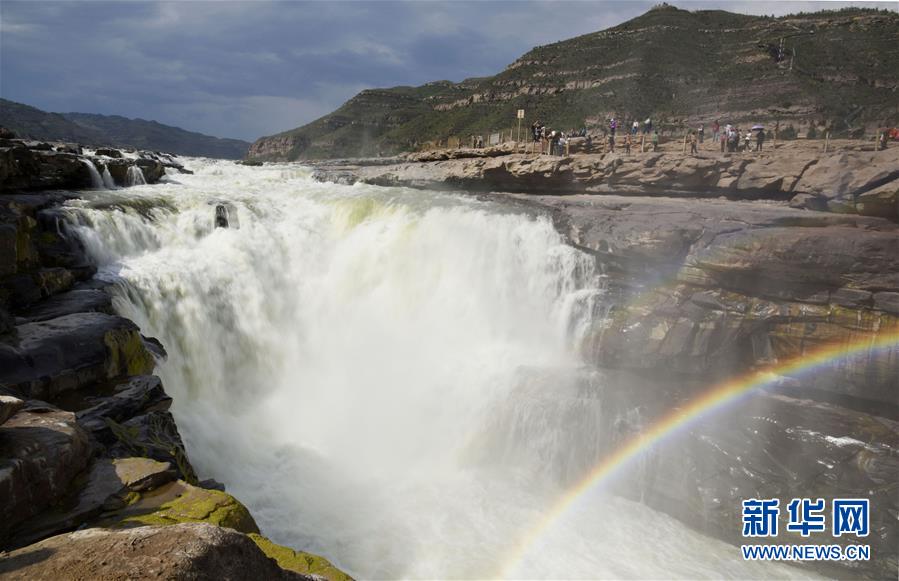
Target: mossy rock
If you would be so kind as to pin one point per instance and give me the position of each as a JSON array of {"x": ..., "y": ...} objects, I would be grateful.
[
  {"x": 127, "y": 354},
  {"x": 180, "y": 502},
  {"x": 299, "y": 561}
]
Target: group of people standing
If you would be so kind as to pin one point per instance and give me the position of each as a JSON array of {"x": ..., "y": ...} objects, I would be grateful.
[
  {"x": 554, "y": 142},
  {"x": 732, "y": 139},
  {"x": 633, "y": 129}
]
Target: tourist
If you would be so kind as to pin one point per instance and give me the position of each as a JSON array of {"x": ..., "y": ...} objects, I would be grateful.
[
  {"x": 723, "y": 139},
  {"x": 747, "y": 144},
  {"x": 693, "y": 148},
  {"x": 627, "y": 144},
  {"x": 655, "y": 140},
  {"x": 635, "y": 127},
  {"x": 759, "y": 139},
  {"x": 716, "y": 128},
  {"x": 701, "y": 133},
  {"x": 613, "y": 125},
  {"x": 647, "y": 126},
  {"x": 733, "y": 140}
]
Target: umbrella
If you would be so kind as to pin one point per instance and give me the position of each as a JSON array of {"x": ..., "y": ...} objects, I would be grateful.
[{"x": 757, "y": 127}]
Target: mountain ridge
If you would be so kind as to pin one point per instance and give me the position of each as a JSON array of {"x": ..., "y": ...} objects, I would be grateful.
[
  {"x": 675, "y": 66},
  {"x": 115, "y": 130}
]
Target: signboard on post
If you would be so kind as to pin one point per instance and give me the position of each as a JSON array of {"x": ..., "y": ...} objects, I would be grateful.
[{"x": 520, "y": 117}]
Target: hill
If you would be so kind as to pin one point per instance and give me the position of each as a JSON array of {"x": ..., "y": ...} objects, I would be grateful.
[
  {"x": 90, "y": 129},
  {"x": 836, "y": 70}
]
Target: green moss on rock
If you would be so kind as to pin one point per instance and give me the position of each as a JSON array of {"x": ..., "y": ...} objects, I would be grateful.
[
  {"x": 127, "y": 354},
  {"x": 180, "y": 502},
  {"x": 299, "y": 561}
]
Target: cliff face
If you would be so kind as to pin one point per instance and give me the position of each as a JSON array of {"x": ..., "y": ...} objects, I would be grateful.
[
  {"x": 849, "y": 182},
  {"x": 680, "y": 68}
]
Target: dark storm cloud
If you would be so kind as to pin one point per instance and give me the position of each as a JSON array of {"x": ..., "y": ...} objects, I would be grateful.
[{"x": 245, "y": 69}]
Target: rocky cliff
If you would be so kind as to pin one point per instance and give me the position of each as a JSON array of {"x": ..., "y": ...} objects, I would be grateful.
[
  {"x": 833, "y": 71},
  {"x": 844, "y": 181}
]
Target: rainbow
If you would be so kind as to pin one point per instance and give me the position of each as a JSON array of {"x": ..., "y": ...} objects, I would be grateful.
[{"x": 680, "y": 418}]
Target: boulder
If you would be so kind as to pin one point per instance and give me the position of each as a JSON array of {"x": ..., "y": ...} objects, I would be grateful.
[
  {"x": 152, "y": 435},
  {"x": 197, "y": 551},
  {"x": 105, "y": 488},
  {"x": 41, "y": 451},
  {"x": 9, "y": 405},
  {"x": 179, "y": 502},
  {"x": 69, "y": 352},
  {"x": 8, "y": 257},
  {"x": 27, "y": 288},
  {"x": 29, "y": 169},
  {"x": 848, "y": 174},
  {"x": 137, "y": 396},
  {"x": 882, "y": 201},
  {"x": 77, "y": 300},
  {"x": 152, "y": 169},
  {"x": 109, "y": 152}
]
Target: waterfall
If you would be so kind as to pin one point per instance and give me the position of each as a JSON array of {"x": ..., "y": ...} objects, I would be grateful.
[
  {"x": 135, "y": 176},
  {"x": 108, "y": 182},
  {"x": 385, "y": 376},
  {"x": 96, "y": 180}
]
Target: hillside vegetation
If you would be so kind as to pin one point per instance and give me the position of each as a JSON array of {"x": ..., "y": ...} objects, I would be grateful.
[
  {"x": 113, "y": 130},
  {"x": 838, "y": 71}
]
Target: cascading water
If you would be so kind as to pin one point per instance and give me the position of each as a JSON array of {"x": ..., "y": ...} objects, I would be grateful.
[
  {"x": 386, "y": 377},
  {"x": 135, "y": 176},
  {"x": 96, "y": 179},
  {"x": 108, "y": 182}
]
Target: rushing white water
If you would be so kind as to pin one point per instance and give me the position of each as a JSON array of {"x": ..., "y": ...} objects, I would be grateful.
[
  {"x": 135, "y": 176},
  {"x": 108, "y": 182},
  {"x": 383, "y": 375},
  {"x": 96, "y": 179}
]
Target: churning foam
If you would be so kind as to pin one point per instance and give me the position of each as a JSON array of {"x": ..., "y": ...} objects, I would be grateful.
[{"x": 334, "y": 358}]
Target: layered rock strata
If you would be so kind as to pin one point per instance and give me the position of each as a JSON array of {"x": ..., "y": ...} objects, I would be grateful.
[{"x": 854, "y": 182}]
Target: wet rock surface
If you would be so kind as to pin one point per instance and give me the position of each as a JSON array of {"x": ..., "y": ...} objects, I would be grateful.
[{"x": 31, "y": 166}]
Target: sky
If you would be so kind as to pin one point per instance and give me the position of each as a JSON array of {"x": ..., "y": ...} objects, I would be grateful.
[{"x": 254, "y": 68}]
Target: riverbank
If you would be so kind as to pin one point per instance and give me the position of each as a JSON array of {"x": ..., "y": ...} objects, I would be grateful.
[
  {"x": 849, "y": 178},
  {"x": 94, "y": 477}
]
